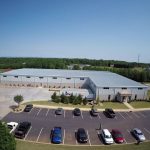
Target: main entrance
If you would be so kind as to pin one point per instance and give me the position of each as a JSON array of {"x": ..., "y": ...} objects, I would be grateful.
[{"x": 124, "y": 96}]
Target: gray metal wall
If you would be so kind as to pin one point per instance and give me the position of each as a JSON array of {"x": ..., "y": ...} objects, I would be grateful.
[{"x": 103, "y": 94}]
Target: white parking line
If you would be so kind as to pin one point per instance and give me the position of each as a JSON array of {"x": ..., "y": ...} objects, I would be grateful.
[
  {"x": 135, "y": 115},
  {"x": 125, "y": 141},
  {"x": 147, "y": 130},
  {"x": 39, "y": 135},
  {"x": 28, "y": 133},
  {"x": 121, "y": 115},
  {"x": 81, "y": 115},
  {"x": 99, "y": 116},
  {"x": 128, "y": 115},
  {"x": 128, "y": 131},
  {"x": 64, "y": 113},
  {"x": 30, "y": 111},
  {"x": 90, "y": 116},
  {"x": 47, "y": 112},
  {"x": 88, "y": 137},
  {"x": 38, "y": 112},
  {"x": 142, "y": 114},
  {"x": 64, "y": 137},
  {"x": 76, "y": 136}
]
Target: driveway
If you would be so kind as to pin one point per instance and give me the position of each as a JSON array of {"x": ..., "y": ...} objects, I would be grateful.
[{"x": 7, "y": 94}]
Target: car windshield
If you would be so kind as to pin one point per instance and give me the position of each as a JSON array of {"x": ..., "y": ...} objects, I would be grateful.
[
  {"x": 140, "y": 133},
  {"x": 108, "y": 136},
  {"x": 57, "y": 135},
  {"x": 18, "y": 133},
  {"x": 118, "y": 135},
  {"x": 10, "y": 126}
]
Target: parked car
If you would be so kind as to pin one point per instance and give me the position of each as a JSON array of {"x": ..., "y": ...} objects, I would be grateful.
[
  {"x": 22, "y": 129},
  {"x": 81, "y": 135},
  {"x": 107, "y": 137},
  {"x": 117, "y": 136},
  {"x": 28, "y": 108},
  {"x": 137, "y": 133},
  {"x": 59, "y": 111},
  {"x": 94, "y": 112},
  {"x": 110, "y": 113},
  {"x": 56, "y": 135},
  {"x": 77, "y": 112},
  {"x": 12, "y": 126}
]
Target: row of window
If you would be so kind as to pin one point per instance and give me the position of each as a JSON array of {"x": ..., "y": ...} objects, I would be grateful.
[
  {"x": 123, "y": 88},
  {"x": 42, "y": 77}
]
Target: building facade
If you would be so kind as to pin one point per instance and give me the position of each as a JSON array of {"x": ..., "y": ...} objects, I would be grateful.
[{"x": 106, "y": 86}]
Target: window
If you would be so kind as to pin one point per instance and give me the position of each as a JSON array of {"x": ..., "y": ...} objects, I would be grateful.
[
  {"x": 28, "y": 77},
  {"x": 124, "y": 88},
  {"x": 41, "y": 77},
  {"x": 4, "y": 76},
  {"x": 54, "y": 77},
  {"x": 16, "y": 76},
  {"x": 105, "y": 87},
  {"x": 81, "y": 78},
  {"x": 68, "y": 78},
  {"x": 140, "y": 88}
]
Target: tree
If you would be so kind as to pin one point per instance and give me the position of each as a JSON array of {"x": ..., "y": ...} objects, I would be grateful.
[
  {"x": 54, "y": 96},
  {"x": 76, "y": 67},
  {"x": 66, "y": 100},
  {"x": 7, "y": 141},
  {"x": 57, "y": 99},
  {"x": 79, "y": 99},
  {"x": 85, "y": 101},
  {"x": 71, "y": 98},
  {"x": 18, "y": 99},
  {"x": 62, "y": 97}
]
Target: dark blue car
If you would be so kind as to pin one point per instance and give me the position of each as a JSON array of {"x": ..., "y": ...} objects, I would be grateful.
[{"x": 56, "y": 135}]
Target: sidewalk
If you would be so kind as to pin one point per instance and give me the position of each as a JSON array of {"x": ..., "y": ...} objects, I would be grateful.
[{"x": 88, "y": 109}]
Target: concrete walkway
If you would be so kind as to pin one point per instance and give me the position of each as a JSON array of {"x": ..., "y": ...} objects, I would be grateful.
[
  {"x": 128, "y": 105},
  {"x": 87, "y": 109}
]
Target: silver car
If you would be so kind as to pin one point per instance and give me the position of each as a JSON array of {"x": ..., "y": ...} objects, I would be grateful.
[{"x": 138, "y": 134}]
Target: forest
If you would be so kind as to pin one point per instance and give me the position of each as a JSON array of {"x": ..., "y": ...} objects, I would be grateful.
[{"x": 137, "y": 71}]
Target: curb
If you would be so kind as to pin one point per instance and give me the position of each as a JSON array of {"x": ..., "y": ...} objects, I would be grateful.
[{"x": 88, "y": 109}]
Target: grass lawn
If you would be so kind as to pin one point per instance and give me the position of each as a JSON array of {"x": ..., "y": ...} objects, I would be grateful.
[
  {"x": 114, "y": 105},
  {"x": 140, "y": 104},
  {"x": 22, "y": 145}
]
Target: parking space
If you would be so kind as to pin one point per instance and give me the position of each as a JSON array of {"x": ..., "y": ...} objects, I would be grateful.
[{"x": 43, "y": 120}]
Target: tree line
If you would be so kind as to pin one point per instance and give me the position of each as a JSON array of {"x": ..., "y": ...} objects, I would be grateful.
[{"x": 121, "y": 67}]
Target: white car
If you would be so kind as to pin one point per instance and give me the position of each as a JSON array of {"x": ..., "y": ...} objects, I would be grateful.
[
  {"x": 107, "y": 137},
  {"x": 12, "y": 126},
  {"x": 138, "y": 134}
]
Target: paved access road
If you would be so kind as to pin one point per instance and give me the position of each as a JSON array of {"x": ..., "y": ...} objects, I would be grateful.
[{"x": 43, "y": 120}]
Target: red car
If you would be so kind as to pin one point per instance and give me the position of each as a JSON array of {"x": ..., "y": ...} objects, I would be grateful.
[{"x": 117, "y": 136}]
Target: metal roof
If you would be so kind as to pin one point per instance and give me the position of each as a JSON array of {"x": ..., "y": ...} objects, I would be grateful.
[{"x": 100, "y": 78}]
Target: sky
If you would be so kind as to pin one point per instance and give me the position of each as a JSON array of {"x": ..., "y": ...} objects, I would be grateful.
[{"x": 95, "y": 29}]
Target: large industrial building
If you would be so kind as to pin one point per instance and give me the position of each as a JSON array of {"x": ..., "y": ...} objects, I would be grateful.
[{"x": 104, "y": 85}]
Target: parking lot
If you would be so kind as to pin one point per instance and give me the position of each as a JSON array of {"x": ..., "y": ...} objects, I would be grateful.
[{"x": 43, "y": 120}]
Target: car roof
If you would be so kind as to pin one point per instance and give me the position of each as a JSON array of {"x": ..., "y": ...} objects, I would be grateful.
[
  {"x": 81, "y": 129},
  {"x": 138, "y": 130},
  {"x": 106, "y": 132},
  {"x": 116, "y": 130},
  {"x": 12, "y": 123}
]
